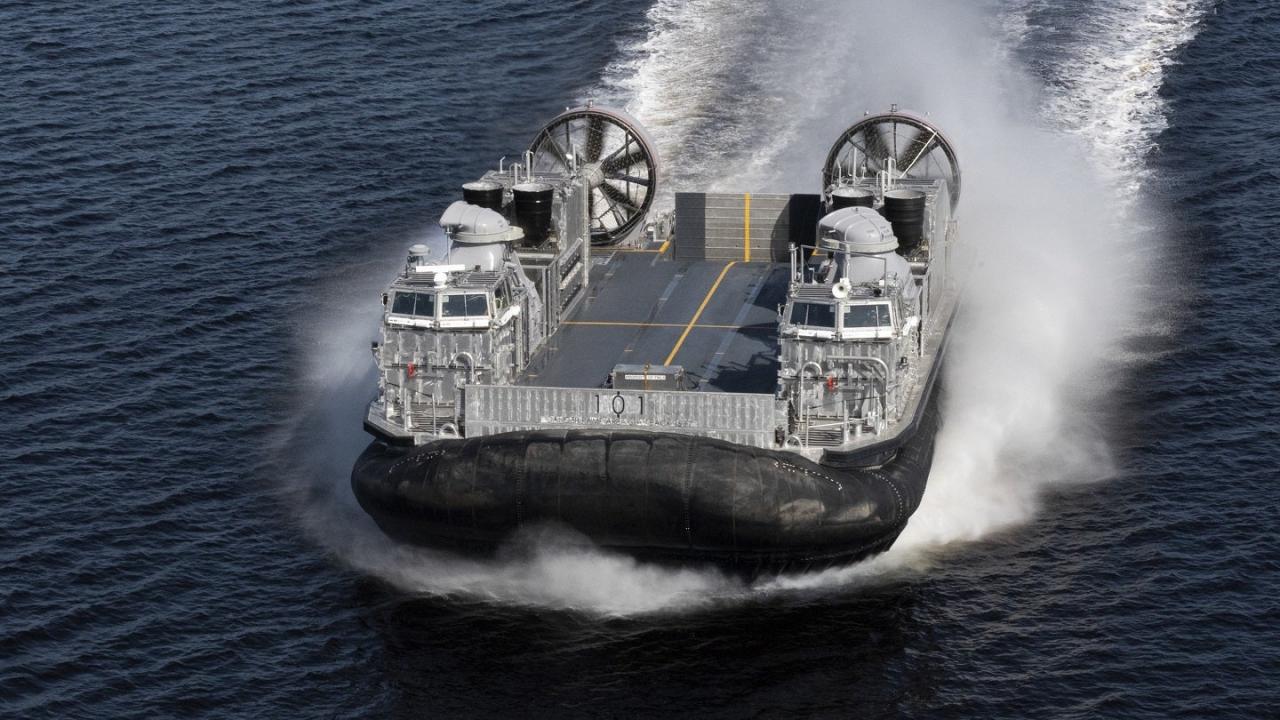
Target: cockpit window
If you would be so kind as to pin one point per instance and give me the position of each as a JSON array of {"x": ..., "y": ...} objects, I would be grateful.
[
  {"x": 403, "y": 304},
  {"x": 468, "y": 305},
  {"x": 813, "y": 314},
  {"x": 866, "y": 316},
  {"x": 420, "y": 304},
  {"x": 425, "y": 306}
]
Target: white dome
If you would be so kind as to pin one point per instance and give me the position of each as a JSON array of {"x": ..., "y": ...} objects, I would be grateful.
[
  {"x": 469, "y": 223},
  {"x": 856, "y": 229}
]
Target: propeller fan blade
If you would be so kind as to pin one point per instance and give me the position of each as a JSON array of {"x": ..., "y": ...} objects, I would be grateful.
[
  {"x": 873, "y": 145},
  {"x": 595, "y": 138},
  {"x": 609, "y": 218},
  {"x": 616, "y": 161},
  {"x": 550, "y": 146},
  {"x": 629, "y": 179},
  {"x": 619, "y": 198},
  {"x": 920, "y": 145}
]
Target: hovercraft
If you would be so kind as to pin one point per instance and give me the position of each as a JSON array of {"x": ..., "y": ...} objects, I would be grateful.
[{"x": 745, "y": 380}]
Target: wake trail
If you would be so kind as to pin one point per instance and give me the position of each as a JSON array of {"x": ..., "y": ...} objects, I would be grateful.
[{"x": 748, "y": 97}]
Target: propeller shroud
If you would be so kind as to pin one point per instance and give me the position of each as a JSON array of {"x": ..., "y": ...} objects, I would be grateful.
[
  {"x": 617, "y": 157},
  {"x": 918, "y": 150}
]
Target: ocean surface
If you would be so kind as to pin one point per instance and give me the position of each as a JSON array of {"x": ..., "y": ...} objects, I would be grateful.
[{"x": 200, "y": 203}]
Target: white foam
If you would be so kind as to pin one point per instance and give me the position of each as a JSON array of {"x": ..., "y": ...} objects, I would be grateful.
[
  {"x": 714, "y": 83},
  {"x": 747, "y": 96},
  {"x": 1110, "y": 94},
  {"x": 545, "y": 568}
]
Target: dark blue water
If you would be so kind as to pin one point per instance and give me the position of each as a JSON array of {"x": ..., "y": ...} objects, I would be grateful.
[{"x": 188, "y": 190}]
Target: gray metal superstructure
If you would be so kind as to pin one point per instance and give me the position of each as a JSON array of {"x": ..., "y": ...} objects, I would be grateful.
[
  {"x": 745, "y": 380},
  {"x": 825, "y": 333}
]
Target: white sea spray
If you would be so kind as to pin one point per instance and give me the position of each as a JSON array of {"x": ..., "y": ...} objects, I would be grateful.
[{"x": 749, "y": 96}]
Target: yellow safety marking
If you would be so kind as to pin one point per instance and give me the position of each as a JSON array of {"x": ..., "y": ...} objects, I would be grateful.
[
  {"x": 746, "y": 227},
  {"x": 619, "y": 323},
  {"x": 623, "y": 323},
  {"x": 715, "y": 286},
  {"x": 663, "y": 247}
]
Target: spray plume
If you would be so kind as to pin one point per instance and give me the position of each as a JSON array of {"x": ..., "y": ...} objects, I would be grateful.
[{"x": 1055, "y": 286}]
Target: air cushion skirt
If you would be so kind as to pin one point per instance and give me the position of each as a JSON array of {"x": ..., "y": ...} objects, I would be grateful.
[{"x": 662, "y": 497}]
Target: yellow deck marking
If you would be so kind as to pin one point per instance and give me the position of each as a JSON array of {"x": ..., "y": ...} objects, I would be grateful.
[
  {"x": 746, "y": 227},
  {"x": 623, "y": 323},
  {"x": 715, "y": 286}
]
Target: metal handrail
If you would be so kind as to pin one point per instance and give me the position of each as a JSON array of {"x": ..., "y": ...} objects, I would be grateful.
[{"x": 805, "y": 408}]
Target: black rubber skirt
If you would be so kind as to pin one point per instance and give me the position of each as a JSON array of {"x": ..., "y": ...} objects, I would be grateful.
[{"x": 662, "y": 497}]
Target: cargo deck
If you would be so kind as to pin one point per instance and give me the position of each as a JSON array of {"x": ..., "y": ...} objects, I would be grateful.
[{"x": 717, "y": 319}]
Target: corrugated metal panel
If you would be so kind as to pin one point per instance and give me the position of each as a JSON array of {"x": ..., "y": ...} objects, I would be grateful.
[
  {"x": 690, "y": 233},
  {"x": 742, "y": 226},
  {"x": 747, "y": 419}
]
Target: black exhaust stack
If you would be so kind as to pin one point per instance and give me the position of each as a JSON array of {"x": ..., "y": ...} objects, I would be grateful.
[
  {"x": 533, "y": 211},
  {"x": 485, "y": 193},
  {"x": 904, "y": 209}
]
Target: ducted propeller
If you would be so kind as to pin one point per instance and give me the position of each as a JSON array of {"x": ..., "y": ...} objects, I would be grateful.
[
  {"x": 615, "y": 153},
  {"x": 897, "y": 142}
]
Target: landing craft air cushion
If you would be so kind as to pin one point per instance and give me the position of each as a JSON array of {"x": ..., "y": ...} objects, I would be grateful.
[{"x": 746, "y": 381}]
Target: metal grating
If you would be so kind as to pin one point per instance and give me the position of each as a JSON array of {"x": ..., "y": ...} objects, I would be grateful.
[
  {"x": 742, "y": 226},
  {"x": 747, "y": 419}
]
